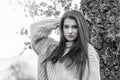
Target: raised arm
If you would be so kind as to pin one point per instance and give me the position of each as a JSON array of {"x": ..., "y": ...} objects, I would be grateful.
[{"x": 39, "y": 35}]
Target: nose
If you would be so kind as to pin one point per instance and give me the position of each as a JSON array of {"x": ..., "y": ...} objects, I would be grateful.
[{"x": 70, "y": 30}]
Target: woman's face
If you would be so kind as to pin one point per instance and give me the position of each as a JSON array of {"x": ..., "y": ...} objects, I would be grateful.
[{"x": 70, "y": 29}]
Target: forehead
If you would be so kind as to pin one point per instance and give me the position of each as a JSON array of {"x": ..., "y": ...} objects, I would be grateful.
[{"x": 69, "y": 21}]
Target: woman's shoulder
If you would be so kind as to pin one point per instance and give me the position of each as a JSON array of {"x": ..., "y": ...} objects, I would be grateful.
[
  {"x": 90, "y": 47},
  {"x": 94, "y": 63},
  {"x": 52, "y": 45},
  {"x": 93, "y": 54},
  {"x": 47, "y": 48}
]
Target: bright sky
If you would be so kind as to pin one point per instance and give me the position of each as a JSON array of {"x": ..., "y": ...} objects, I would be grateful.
[{"x": 11, "y": 21}]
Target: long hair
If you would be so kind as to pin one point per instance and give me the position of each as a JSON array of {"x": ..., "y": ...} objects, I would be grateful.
[{"x": 78, "y": 54}]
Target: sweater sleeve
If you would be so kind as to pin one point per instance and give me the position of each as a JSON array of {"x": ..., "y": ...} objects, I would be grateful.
[
  {"x": 42, "y": 73},
  {"x": 42, "y": 45},
  {"x": 94, "y": 64},
  {"x": 39, "y": 36}
]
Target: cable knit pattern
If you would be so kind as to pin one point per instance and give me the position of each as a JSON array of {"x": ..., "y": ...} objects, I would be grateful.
[{"x": 59, "y": 72}]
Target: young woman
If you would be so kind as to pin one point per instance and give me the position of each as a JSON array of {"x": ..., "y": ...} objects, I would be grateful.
[{"x": 73, "y": 58}]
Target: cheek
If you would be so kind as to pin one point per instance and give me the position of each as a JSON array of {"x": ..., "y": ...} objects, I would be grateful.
[
  {"x": 64, "y": 31},
  {"x": 77, "y": 33}
]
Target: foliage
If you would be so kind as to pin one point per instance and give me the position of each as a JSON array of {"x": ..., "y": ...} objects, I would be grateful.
[
  {"x": 25, "y": 34},
  {"x": 48, "y": 9},
  {"x": 103, "y": 18}
]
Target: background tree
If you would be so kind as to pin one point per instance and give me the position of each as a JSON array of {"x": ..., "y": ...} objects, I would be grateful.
[
  {"x": 103, "y": 17},
  {"x": 48, "y": 8}
]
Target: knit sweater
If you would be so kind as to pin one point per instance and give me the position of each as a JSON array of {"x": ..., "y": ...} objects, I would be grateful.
[
  {"x": 58, "y": 71},
  {"x": 43, "y": 46}
]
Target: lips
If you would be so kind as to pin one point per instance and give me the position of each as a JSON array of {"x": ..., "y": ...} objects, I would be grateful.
[{"x": 70, "y": 36}]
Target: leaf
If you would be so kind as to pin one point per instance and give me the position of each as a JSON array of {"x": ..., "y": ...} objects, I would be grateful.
[{"x": 43, "y": 4}]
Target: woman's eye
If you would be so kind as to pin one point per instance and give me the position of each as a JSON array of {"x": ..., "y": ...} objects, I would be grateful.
[
  {"x": 75, "y": 26},
  {"x": 66, "y": 26}
]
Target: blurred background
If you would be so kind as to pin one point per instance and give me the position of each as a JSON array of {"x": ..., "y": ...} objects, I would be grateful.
[{"x": 14, "y": 40}]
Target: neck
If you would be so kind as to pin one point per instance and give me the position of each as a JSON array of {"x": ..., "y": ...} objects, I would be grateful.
[{"x": 69, "y": 44}]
